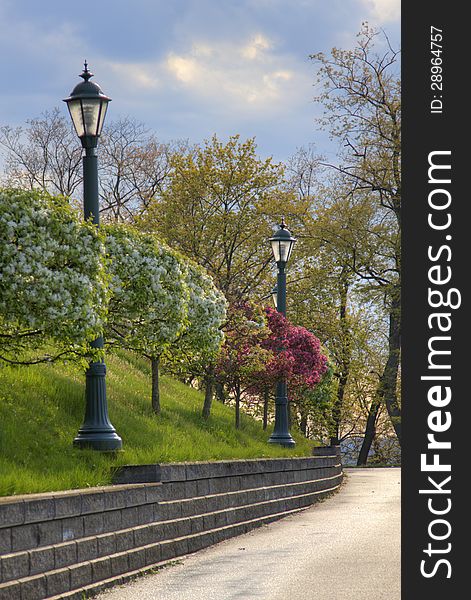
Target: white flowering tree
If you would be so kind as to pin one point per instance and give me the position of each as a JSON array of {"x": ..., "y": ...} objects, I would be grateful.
[
  {"x": 194, "y": 350},
  {"x": 149, "y": 296},
  {"x": 53, "y": 283}
]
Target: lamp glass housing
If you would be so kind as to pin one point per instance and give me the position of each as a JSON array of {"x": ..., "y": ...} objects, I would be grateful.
[
  {"x": 282, "y": 248},
  {"x": 88, "y": 115}
]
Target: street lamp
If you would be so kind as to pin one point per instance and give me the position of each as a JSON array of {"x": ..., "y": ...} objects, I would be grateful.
[
  {"x": 274, "y": 296},
  {"x": 282, "y": 244},
  {"x": 87, "y": 105}
]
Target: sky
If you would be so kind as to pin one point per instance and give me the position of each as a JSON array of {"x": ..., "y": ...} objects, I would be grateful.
[{"x": 187, "y": 69}]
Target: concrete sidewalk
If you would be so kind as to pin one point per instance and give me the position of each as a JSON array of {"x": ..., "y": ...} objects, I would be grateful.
[{"x": 346, "y": 547}]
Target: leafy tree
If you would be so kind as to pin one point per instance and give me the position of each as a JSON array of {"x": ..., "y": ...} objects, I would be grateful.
[
  {"x": 53, "y": 285},
  {"x": 149, "y": 296},
  {"x": 361, "y": 94},
  {"x": 194, "y": 350},
  {"x": 242, "y": 357},
  {"x": 219, "y": 207}
]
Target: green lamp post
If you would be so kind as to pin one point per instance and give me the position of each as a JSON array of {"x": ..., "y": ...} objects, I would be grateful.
[
  {"x": 282, "y": 244},
  {"x": 87, "y": 105}
]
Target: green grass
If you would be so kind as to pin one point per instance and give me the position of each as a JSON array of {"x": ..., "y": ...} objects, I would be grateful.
[{"x": 42, "y": 407}]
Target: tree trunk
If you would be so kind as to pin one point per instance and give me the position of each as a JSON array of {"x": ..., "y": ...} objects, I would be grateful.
[
  {"x": 344, "y": 362},
  {"x": 370, "y": 432},
  {"x": 155, "y": 385},
  {"x": 389, "y": 377},
  {"x": 237, "y": 406},
  {"x": 266, "y": 397},
  {"x": 219, "y": 388},
  {"x": 208, "y": 396},
  {"x": 303, "y": 424}
]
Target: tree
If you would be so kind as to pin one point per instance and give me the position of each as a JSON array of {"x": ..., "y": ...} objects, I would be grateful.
[
  {"x": 219, "y": 207},
  {"x": 242, "y": 358},
  {"x": 149, "y": 296},
  {"x": 194, "y": 350},
  {"x": 47, "y": 155},
  {"x": 53, "y": 284},
  {"x": 361, "y": 95},
  {"x": 134, "y": 167}
]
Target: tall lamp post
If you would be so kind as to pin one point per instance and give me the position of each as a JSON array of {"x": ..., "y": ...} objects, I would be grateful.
[
  {"x": 282, "y": 244},
  {"x": 87, "y": 105}
]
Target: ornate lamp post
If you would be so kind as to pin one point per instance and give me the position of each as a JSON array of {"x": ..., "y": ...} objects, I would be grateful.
[
  {"x": 87, "y": 105},
  {"x": 282, "y": 244},
  {"x": 274, "y": 296}
]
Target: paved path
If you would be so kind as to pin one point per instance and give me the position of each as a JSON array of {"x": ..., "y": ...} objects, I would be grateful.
[{"x": 346, "y": 548}]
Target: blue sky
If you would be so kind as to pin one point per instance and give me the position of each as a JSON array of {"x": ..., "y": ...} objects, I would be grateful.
[{"x": 186, "y": 68}]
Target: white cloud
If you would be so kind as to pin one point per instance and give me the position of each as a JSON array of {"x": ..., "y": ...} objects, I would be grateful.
[
  {"x": 383, "y": 11},
  {"x": 248, "y": 77}
]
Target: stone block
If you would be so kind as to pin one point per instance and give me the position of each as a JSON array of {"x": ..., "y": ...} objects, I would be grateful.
[
  {"x": 67, "y": 505},
  {"x": 101, "y": 569},
  {"x": 24, "y": 537},
  {"x": 152, "y": 554},
  {"x": 136, "y": 496},
  {"x": 202, "y": 487},
  {"x": 130, "y": 516},
  {"x": 137, "y": 474},
  {"x": 137, "y": 559},
  {"x": 124, "y": 540},
  {"x": 106, "y": 544},
  {"x": 87, "y": 549},
  {"x": 11, "y": 513},
  {"x": 153, "y": 493},
  {"x": 57, "y": 582},
  {"x": 65, "y": 555},
  {"x": 119, "y": 564},
  {"x": 10, "y": 590},
  {"x": 169, "y": 550},
  {"x": 146, "y": 535},
  {"x": 92, "y": 524},
  {"x": 50, "y": 532},
  {"x": 41, "y": 560},
  {"x": 39, "y": 510},
  {"x": 33, "y": 588},
  {"x": 93, "y": 502},
  {"x": 112, "y": 520},
  {"x": 115, "y": 498},
  {"x": 146, "y": 513},
  {"x": 72, "y": 528},
  {"x": 15, "y": 566},
  {"x": 80, "y": 575},
  {"x": 5, "y": 540},
  {"x": 173, "y": 472}
]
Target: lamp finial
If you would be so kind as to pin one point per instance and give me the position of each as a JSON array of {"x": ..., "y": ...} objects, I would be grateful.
[{"x": 86, "y": 74}]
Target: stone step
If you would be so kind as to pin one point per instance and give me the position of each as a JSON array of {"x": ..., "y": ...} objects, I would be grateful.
[
  {"x": 191, "y": 488},
  {"x": 186, "y": 535},
  {"x": 194, "y": 515},
  {"x": 173, "y": 509}
]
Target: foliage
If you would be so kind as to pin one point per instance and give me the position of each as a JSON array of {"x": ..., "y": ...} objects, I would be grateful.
[
  {"x": 53, "y": 285},
  {"x": 149, "y": 295},
  {"x": 219, "y": 206},
  {"x": 199, "y": 341}
]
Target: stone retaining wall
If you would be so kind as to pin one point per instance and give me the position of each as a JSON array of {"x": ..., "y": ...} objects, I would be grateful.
[{"x": 71, "y": 544}]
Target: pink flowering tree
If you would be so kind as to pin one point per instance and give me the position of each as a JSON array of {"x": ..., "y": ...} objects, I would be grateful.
[{"x": 296, "y": 356}]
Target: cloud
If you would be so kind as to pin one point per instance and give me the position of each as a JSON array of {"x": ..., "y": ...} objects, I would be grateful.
[
  {"x": 248, "y": 77},
  {"x": 383, "y": 11}
]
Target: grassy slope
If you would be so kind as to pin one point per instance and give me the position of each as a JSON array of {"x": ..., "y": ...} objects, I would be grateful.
[{"x": 41, "y": 409}]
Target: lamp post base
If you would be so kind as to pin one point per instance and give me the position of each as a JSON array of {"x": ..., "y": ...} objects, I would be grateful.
[
  {"x": 284, "y": 439},
  {"x": 105, "y": 441}
]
